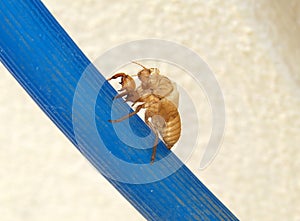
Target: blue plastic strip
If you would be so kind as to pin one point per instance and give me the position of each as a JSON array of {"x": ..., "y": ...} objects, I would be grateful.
[{"x": 48, "y": 65}]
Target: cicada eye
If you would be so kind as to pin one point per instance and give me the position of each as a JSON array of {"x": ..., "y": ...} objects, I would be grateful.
[{"x": 144, "y": 73}]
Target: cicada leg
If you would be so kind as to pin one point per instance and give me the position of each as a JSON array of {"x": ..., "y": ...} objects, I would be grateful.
[
  {"x": 138, "y": 108},
  {"x": 147, "y": 116}
]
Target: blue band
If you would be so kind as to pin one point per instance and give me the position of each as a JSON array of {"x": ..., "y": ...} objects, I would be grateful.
[{"x": 48, "y": 65}]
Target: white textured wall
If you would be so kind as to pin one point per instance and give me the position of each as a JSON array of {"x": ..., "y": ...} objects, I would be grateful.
[{"x": 252, "y": 48}]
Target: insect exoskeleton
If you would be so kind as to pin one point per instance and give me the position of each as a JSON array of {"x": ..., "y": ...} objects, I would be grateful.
[
  {"x": 167, "y": 122},
  {"x": 159, "y": 97},
  {"x": 128, "y": 87},
  {"x": 152, "y": 82}
]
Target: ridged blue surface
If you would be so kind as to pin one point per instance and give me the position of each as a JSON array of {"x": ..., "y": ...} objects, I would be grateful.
[{"x": 48, "y": 65}]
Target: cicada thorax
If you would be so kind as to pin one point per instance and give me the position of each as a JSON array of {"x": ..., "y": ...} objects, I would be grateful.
[{"x": 161, "y": 86}]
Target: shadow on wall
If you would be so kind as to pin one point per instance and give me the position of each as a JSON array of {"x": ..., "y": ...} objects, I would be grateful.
[{"x": 281, "y": 21}]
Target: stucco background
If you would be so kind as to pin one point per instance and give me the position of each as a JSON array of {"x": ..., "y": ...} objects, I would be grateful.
[{"x": 253, "y": 48}]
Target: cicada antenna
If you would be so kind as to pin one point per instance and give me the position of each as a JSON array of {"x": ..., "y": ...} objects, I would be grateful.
[{"x": 139, "y": 64}]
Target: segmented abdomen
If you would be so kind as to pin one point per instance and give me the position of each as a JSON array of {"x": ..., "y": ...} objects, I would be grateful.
[{"x": 172, "y": 130}]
